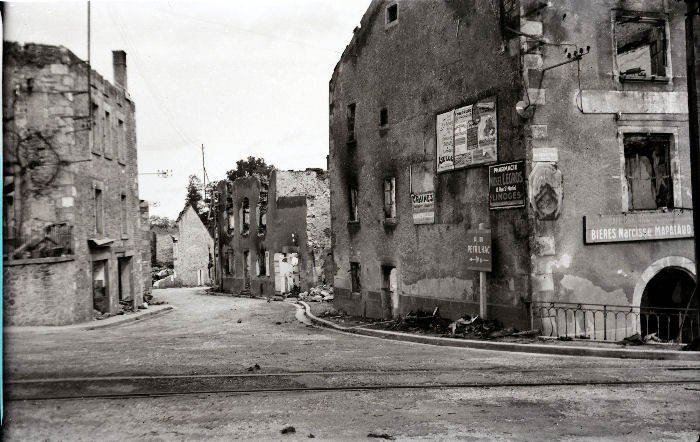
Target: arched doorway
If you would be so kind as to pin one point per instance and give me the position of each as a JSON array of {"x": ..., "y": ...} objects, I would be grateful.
[{"x": 663, "y": 304}]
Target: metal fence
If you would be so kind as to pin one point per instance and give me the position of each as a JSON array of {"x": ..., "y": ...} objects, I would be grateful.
[
  {"x": 613, "y": 322},
  {"x": 50, "y": 241}
]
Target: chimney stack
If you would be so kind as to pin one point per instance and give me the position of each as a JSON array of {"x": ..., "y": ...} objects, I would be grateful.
[{"x": 119, "y": 66}]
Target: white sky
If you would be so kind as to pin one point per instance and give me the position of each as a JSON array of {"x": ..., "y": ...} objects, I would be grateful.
[{"x": 241, "y": 77}]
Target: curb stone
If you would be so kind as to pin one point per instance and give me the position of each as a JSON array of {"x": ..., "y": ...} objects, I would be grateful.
[
  {"x": 620, "y": 353},
  {"x": 131, "y": 318}
]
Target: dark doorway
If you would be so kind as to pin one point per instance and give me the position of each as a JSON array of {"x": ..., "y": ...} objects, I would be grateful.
[
  {"x": 125, "y": 289},
  {"x": 663, "y": 305},
  {"x": 100, "y": 286},
  {"x": 388, "y": 291}
]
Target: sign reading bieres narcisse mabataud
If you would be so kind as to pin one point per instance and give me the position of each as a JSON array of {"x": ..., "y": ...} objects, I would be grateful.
[
  {"x": 507, "y": 187},
  {"x": 638, "y": 227}
]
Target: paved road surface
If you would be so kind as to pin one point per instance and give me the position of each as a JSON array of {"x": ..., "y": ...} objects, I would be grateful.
[{"x": 331, "y": 385}]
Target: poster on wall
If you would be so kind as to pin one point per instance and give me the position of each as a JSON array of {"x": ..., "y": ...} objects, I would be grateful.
[
  {"x": 467, "y": 136},
  {"x": 445, "y": 141},
  {"x": 463, "y": 126},
  {"x": 422, "y": 193}
]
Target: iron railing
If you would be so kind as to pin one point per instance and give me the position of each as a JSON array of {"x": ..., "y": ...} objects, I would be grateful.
[
  {"x": 604, "y": 322},
  {"x": 51, "y": 241}
]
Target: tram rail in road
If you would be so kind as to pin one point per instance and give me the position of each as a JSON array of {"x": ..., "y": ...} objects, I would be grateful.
[{"x": 247, "y": 383}]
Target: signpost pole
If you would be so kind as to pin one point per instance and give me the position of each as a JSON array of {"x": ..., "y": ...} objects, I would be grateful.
[{"x": 482, "y": 286}]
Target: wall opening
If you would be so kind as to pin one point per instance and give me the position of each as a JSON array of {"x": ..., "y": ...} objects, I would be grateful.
[
  {"x": 641, "y": 48},
  {"x": 648, "y": 171},
  {"x": 355, "y": 277},
  {"x": 286, "y": 270},
  {"x": 100, "y": 286},
  {"x": 663, "y": 304},
  {"x": 124, "y": 267},
  {"x": 389, "y": 293}
]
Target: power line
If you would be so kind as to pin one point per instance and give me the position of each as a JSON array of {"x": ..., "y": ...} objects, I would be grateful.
[
  {"x": 151, "y": 89},
  {"x": 249, "y": 31}
]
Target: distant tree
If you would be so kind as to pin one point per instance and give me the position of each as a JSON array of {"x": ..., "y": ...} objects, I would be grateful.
[
  {"x": 162, "y": 222},
  {"x": 250, "y": 166},
  {"x": 194, "y": 194}
]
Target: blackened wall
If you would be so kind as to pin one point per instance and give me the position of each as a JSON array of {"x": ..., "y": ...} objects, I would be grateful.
[{"x": 436, "y": 57}]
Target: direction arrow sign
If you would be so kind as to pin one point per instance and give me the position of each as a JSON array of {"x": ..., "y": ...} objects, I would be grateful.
[{"x": 479, "y": 250}]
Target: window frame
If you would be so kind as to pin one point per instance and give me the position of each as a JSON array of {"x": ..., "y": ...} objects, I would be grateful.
[
  {"x": 351, "y": 120},
  {"x": 98, "y": 209},
  {"x": 673, "y": 160},
  {"x": 644, "y": 16},
  {"x": 389, "y": 206},
  {"x": 387, "y": 23},
  {"x": 353, "y": 205},
  {"x": 355, "y": 277},
  {"x": 124, "y": 209}
]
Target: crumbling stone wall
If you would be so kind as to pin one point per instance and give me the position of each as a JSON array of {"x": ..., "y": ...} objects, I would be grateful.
[
  {"x": 52, "y": 153},
  {"x": 193, "y": 250}
]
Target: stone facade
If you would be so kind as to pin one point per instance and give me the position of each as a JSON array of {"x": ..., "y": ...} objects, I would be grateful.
[
  {"x": 162, "y": 246},
  {"x": 565, "y": 121},
  {"x": 71, "y": 190},
  {"x": 193, "y": 250},
  {"x": 285, "y": 241}
]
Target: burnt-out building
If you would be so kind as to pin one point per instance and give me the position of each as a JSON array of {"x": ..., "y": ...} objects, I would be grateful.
[
  {"x": 72, "y": 219},
  {"x": 559, "y": 127},
  {"x": 273, "y": 233}
]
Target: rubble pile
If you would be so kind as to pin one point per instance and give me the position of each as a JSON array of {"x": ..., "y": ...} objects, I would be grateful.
[
  {"x": 468, "y": 327},
  {"x": 321, "y": 293},
  {"x": 420, "y": 321}
]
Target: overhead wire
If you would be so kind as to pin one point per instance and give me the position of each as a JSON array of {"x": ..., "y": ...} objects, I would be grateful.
[{"x": 151, "y": 89}]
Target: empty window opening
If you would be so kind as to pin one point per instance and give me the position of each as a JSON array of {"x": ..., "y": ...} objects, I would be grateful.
[
  {"x": 355, "y": 277},
  {"x": 261, "y": 265},
  {"x": 392, "y": 13},
  {"x": 354, "y": 215},
  {"x": 245, "y": 216},
  {"x": 98, "y": 211},
  {"x": 390, "y": 198},
  {"x": 121, "y": 142},
  {"x": 642, "y": 48},
  {"x": 389, "y": 299},
  {"x": 351, "y": 122},
  {"x": 107, "y": 136},
  {"x": 648, "y": 171},
  {"x": 124, "y": 215},
  {"x": 229, "y": 262},
  {"x": 383, "y": 117}
]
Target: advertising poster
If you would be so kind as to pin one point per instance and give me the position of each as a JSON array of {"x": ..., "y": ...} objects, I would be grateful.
[
  {"x": 487, "y": 133},
  {"x": 638, "y": 227},
  {"x": 422, "y": 193},
  {"x": 445, "y": 141},
  {"x": 507, "y": 185},
  {"x": 463, "y": 124}
]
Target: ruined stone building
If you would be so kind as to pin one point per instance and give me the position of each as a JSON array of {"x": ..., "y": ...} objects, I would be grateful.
[
  {"x": 273, "y": 235},
  {"x": 72, "y": 219},
  {"x": 562, "y": 127},
  {"x": 192, "y": 250},
  {"x": 162, "y": 245}
]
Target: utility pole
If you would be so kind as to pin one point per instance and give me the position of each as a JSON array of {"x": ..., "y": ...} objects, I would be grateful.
[{"x": 694, "y": 128}]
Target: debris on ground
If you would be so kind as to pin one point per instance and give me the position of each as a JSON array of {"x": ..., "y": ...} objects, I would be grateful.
[
  {"x": 254, "y": 367},
  {"x": 310, "y": 436},
  {"x": 380, "y": 436},
  {"x": 288, "y": 430},
  {"x": 693, "y": 346},
  {"x": 239, "y": 321},
  {"x": 99, "y": 315},
  {"x": 420, "y": 321},
  {"x": 565, "y": 338},
  {"x": 321, "y": 293},
  {"x": 637, "y": 339}
]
